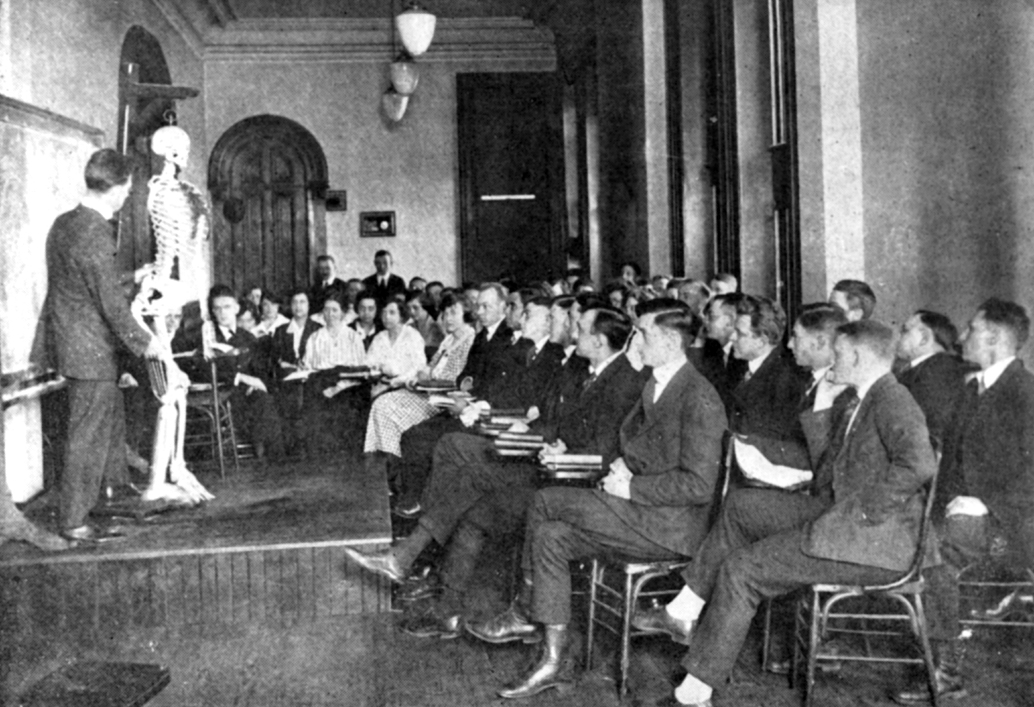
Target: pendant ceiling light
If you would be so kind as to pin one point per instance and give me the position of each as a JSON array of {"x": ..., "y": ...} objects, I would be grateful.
[
  {"x": 394, "y": 104},
  {"x": 404, "y": 74},
  {"x": 416, "y": 27}
]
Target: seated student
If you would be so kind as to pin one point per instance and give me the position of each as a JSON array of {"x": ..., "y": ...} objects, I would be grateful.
[
  {"x": 334, "y": 406},
  {"x": 932, "y": 372},
  {"x": 653, "y": 504},
  {"x": 417, "y": 283},
  {"x": 271, "y": 318},
  {"x": 696, "y": 294},
  {"x": 423, "y": 315},
  {"x": 252, "y": 298},
  {"x": 724, "y": 284},
  {"x": 434, "y": 290},
  {"x": 238, "y": 364},
  {"x": 764, "y": 404},
  {"x": 985, "y": 494},
  {"x": 247, "y": 317},
  {"x": 860, "y": 526},
  {"x": 478, "y": 495},
  {"x": 398, "y": 351},
  {"x": 288, "y": 344},
  {"x": 366, "y": 323},
  {"x": 394, "y": 413},
  {"x": 615, "y": 293},
  {"x": 855, "y": 297}
]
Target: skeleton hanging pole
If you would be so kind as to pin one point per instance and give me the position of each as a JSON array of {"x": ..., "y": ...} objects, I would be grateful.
[{"x": 180, "y": 219}]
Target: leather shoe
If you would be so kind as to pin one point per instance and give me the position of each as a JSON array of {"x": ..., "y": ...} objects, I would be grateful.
[
  {"x": 416, "y": 589},
  {"x": 431, "y": 623},
  {"x": 504, "y": 628},
  {"x": 658, "y": 620},
  {"x": 382, "y": 563},
  {"x": 949, "y": 687},
  {"x": 89, "y": 534}
]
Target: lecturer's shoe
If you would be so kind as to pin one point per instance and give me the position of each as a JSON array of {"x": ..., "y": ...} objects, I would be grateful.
[
  {"x": 658, "y": 620},
  {"x": 382, "y": 563}
]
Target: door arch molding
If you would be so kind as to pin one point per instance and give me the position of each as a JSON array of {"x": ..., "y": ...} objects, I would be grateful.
[{"x": 256, "y": 167}]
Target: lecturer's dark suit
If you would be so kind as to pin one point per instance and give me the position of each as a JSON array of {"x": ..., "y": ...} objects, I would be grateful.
[
  {"x": 768, "y": 543},
  {"x": 936, "y": 384},
  {"x": 87, "y": 317},
  {"x": 673, "y": 447}
]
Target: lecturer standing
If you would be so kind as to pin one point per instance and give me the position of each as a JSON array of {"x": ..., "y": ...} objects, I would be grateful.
[{"x": 87, "y": 317}]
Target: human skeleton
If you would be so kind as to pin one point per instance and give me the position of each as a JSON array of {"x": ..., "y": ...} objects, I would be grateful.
[{"x": 180, "y": 218}]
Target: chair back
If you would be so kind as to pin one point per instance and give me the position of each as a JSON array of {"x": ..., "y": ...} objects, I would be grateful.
[{"x": 914, "y": 569}]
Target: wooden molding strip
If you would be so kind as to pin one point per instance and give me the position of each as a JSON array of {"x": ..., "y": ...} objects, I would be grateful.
[{"x": 26, "y": 115}]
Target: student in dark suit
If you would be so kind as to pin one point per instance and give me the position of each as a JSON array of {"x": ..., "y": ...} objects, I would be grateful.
[
  {"x": 289, "y": 342},
  {"x": 931, "y": 372},
  {"x": 653, "y": 504},
  {"x": 87, "y": 317},
  {"x": 237, "y": 365},
  {"x": 986, "y": 487},
  {"x": 384, "y": 284},
  {"x": 718, "y": 364},
  {"x": 767, "y": 543},
  {"x": 765, "y": 403},
  {"x": 367, "y": 322},
  {"x": 587, "y": 423},
  {"x": 326, "y": 283}
]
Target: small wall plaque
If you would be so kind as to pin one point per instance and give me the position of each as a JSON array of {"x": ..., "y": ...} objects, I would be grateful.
[
  {"x": 337, "y": 200},
  {"x": 373, "y": 224}
]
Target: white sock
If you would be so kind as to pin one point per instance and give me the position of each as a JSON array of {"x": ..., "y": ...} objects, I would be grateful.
[
  {"x": 692, "y": 691},
  {"x": 686, "y": 606}
]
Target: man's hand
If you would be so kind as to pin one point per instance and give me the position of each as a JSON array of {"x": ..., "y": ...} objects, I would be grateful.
[
  {"x": 619, "y": 468},
  {"x": 251, "y": 383}
]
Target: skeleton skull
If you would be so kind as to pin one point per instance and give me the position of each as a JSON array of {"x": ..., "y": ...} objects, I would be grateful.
[{"x": 172, "y": 143}]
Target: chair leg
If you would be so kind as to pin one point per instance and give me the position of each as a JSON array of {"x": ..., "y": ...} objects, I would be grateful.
[
  {"x": 924, "y": 642},
  {"x": 590, "y": 630},
  {"x": 233, "y": 437},
  {"x": 766, "y": 638},
  {"x": 217, "y": 423},
  {"x": 813, "y": 648},
  {"x": 626, "y": 631}
]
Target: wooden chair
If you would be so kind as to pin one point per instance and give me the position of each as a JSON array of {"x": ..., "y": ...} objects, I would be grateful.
[
  {"x": 611, "y": 602},
  {"x": 816, "y": 618},
  {"x": 211, "y": 401}
]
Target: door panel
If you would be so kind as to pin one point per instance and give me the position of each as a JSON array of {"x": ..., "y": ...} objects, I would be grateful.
[{"x": 511, "y": 176}]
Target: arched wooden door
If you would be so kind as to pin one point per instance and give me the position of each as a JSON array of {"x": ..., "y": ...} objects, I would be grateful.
[{"x": 268, "y": 179}]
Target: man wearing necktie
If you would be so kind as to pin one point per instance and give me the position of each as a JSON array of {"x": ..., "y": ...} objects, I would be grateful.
[
  {"x": 384, "y": 284},
  {"x": 654, "y": 504},
  {"x": 326, "y": 283},
  {"x": 767, "y": 543},
  {"x": 986, "y": 489}
]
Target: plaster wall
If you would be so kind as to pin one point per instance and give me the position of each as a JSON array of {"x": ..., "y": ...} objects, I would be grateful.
[{"x": 408, "y": 167}]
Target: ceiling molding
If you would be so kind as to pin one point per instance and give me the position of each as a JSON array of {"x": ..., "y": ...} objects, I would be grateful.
[
  {"x": 366, "y": 40},
  {"x": 172, "y": 10}
]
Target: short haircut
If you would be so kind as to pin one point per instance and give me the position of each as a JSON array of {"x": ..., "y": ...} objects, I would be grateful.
[
  {"x": 336, "y": 295},
  {"x": 217, "y": 292},
  {"x": 872, "y": 335},
  {"x": 416, "y": 278},
  {"x": 729, "y": 299},
  {"x": 433, "y": 283},
  {"x": 685, "y": 322},
  {"x": 944, "y": 332},
  {"x": 562, "y": 301},
  {"x": 400, "y": 303},
  {"x": 613, "y": 325},
  {"x": 366, "y": 294},
  {"x": 660, "y": 304},
  {"x": 527, "y": 294},
  {"x": 728, "y": 278},
  {"x": 425, "y": 300},
  {"x": 298, "y": 291},
  {"x": 1008, "y": 315},
  {"x": 496, "y": 287},
  {"x": 590, "y": 300},
  {"x": 767, "y": 318},
  {"x": 450, "y": 299},
  {"x": 821, "y": 318},
  {"x": 631, "y": 264},
  {"x": 381, "y": 253},
  {"x": 859, "y": 296},
  {"x": 272, "y": 296},
  {"x": 539, "y": 301},
  {"x": 325, "y": 258},
  {"x": 107, "y": 169}
]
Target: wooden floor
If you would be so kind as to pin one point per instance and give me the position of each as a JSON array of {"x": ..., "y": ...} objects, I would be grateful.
[{"x": 277, "y": 641}]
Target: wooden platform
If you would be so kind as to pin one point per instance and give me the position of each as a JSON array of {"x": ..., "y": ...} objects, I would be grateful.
[{"x": 267, "y": 551}]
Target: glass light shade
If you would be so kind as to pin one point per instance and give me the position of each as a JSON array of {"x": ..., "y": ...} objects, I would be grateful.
[
  {"x": 404, "y": 75},
  {"x": 416, "y": 28},
  {"x": 394, "y": 104}
]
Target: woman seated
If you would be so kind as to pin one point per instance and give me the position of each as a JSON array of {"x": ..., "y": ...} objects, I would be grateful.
[
  {"x": 271, "y": 318},
  {"x": 366, "y": 323},
  {"x": 397, "y": 411},
  {"x": 423, "y": 314},
  {"x": 398, "y": 351},
  {"x": 288, "y": 345},
  {"x": 334, "y": 403}
]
